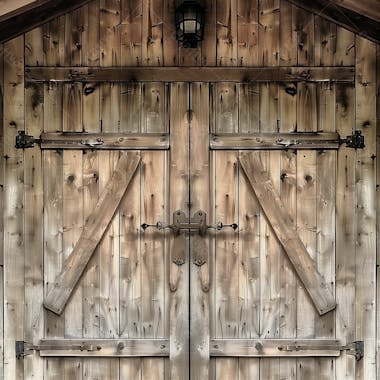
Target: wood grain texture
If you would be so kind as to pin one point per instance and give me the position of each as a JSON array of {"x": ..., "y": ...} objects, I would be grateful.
[
  {"x": 275, "y": 141},
  {"x": 14, "y": 207},
  {"x": 190, "y": 74},
  {"x": 179, "y": 245},
  {"x": 92, "y": 233},
  {"x": 284, "y": 228},
  {"x": 365, "y": 194},
  {"x": 199, "y": 246},
  {"x": 2, "y": 181}
]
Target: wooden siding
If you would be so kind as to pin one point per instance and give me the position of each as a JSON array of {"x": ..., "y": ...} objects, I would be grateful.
[{"x": 253, "y": 291}]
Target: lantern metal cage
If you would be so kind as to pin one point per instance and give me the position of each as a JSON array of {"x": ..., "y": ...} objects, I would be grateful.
[{"x": 189, "y": 21}]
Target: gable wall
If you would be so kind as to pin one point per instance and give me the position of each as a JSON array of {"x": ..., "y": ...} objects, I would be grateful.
[{"x": 128, "y": 33}]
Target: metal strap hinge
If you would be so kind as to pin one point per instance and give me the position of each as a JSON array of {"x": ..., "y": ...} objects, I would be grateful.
[
  {"x": 355, "y": 348},
  {"x": 355, "y": 141}
]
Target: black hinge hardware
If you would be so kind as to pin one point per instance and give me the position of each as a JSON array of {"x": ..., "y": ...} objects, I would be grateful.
[
  {"x": 356, "y": 349},
  {"x": 23, "y": 349},
  {"x": 355, "y": 141},
  {"x": 25, "y": 141},
  {"x": 197, "y": 222}
]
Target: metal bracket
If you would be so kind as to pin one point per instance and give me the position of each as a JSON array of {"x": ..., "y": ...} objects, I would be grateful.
[
  {"x": 356, "y": 349},
  {"x": 197, "y": 222},
  {"x": 23, "y": 349},
  {"x": 25, "y": 141},
  {"x": 355, "y": 141}
]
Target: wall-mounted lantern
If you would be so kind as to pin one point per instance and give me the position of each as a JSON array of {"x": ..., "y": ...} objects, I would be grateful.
[{"x": 189, "y": 21}]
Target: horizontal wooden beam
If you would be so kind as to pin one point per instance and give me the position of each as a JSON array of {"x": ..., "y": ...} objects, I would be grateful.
[
  {"x": 109, "y": 141},
  {"x": 275, "y": 141},
  {"x": 286, "y": 232},
  {"x": 103, "y": 347},
  {"x": 189, "y": 74},
  {"x": 32, "y": 15},
  {"x": 92, "y": 233},
  {"x": 343, "y": 16},
  {"x": 274, "y": 347}
]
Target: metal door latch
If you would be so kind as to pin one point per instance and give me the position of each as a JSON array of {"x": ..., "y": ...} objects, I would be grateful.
[
  {"x": 355, "y": 141},
  {"x": 197, "y": 222}
]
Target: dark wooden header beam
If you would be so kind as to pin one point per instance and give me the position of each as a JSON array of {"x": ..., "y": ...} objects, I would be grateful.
[
  {"x": 343, "y": 16},
  {"x": 189, "y": 74},
  {"x": 32, "y": 15}
]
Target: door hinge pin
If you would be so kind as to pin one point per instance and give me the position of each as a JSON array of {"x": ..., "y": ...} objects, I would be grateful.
[{"x": 25, "y": 141}]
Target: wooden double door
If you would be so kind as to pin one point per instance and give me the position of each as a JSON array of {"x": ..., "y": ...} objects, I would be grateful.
[{"x": 156, "y": 303}]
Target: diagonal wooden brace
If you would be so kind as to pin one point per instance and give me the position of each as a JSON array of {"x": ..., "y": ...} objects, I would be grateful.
[
  {"x": 92, "y": 233},
  {"x": 286, "y": 233}
]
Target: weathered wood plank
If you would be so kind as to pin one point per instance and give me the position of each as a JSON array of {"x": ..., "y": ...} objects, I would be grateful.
[
  {"x": 226, "y": 33},
  {"x": 92, "y": 233},
  {"x": 190, "y": 74},
  {"x": 152, "y": 33},
  {"x": 208, "y": 43},
  {"x": 288, "y": 35},
  {"x": 275, "y": 141},
  {"x": 121, "y": 348},
  {"x": 199, "y": 246},
  {"x": 34, "y": 321},
  {"x": 13, "y": 207},
  {"x": 365, "y": 303},
  {"x": 285, "y": 231},
  {"x": 105, "y": 141},
  {"x": 249, "y": 239},
  {"x": 170, "y": 44},
  {"x": 27, "y": 18},
  {"x": 179, "y": 245},
  {"x": 247, "y": 33},
  {"x": 130, "y": 240},
  {"x": 345, "y": 231},
  {"x": 2, "y": 179},
  {"x": 274, "y": 348},
  {"x": 131, "y": 27},
  {"x": 269, "y": 39}
]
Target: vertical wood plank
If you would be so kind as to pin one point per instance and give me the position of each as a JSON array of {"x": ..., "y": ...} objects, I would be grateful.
[
  {"x": 378, "y": 199},
  {"x": 269, "y": 40},
  {"x": 153, "y": 198},
  {"x": 179, "y": 197},
  {"x": 131, "y": 29},
  {"x": 226, "y": 37},
  {"x": 91, "y": 123},
  {"x": 13, "y": 206},
  {"x": 306, "y": 218},
  {"x": 2, "y": 179},
  {"x": 345, "y": 231},
  {"x": 288, "y": 190},
  {"x": 248, "y": 33},
  {"x": 130, "y": 255},
  {"x": 209, "y": 42},
  {"x": 53, "y": 187},
  {"x": 249, "y": 107},
  {"x": 110, "y": 95},
  {"x": 345, "y": 47},
  {"x": 249, "y": 239},
  {"x": 288, "y": 35},
  {"x": 366, "y": 216},
  {"x": 269, "y": 247},
  {"x": 34, "y": 118},
  {"x": 226, "y": 99},
  {"x": 34, "y": 321},
  {"x": 226, "y": 258},
  {"x": 54, "y": 42},
  {"x": 199, "y": 198},
  {"x": 152, "y": 33},
  {"x": 170, "y": 51},
  {"x": 325, "y": 34},
  {"x": 304, "y": 26}
]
